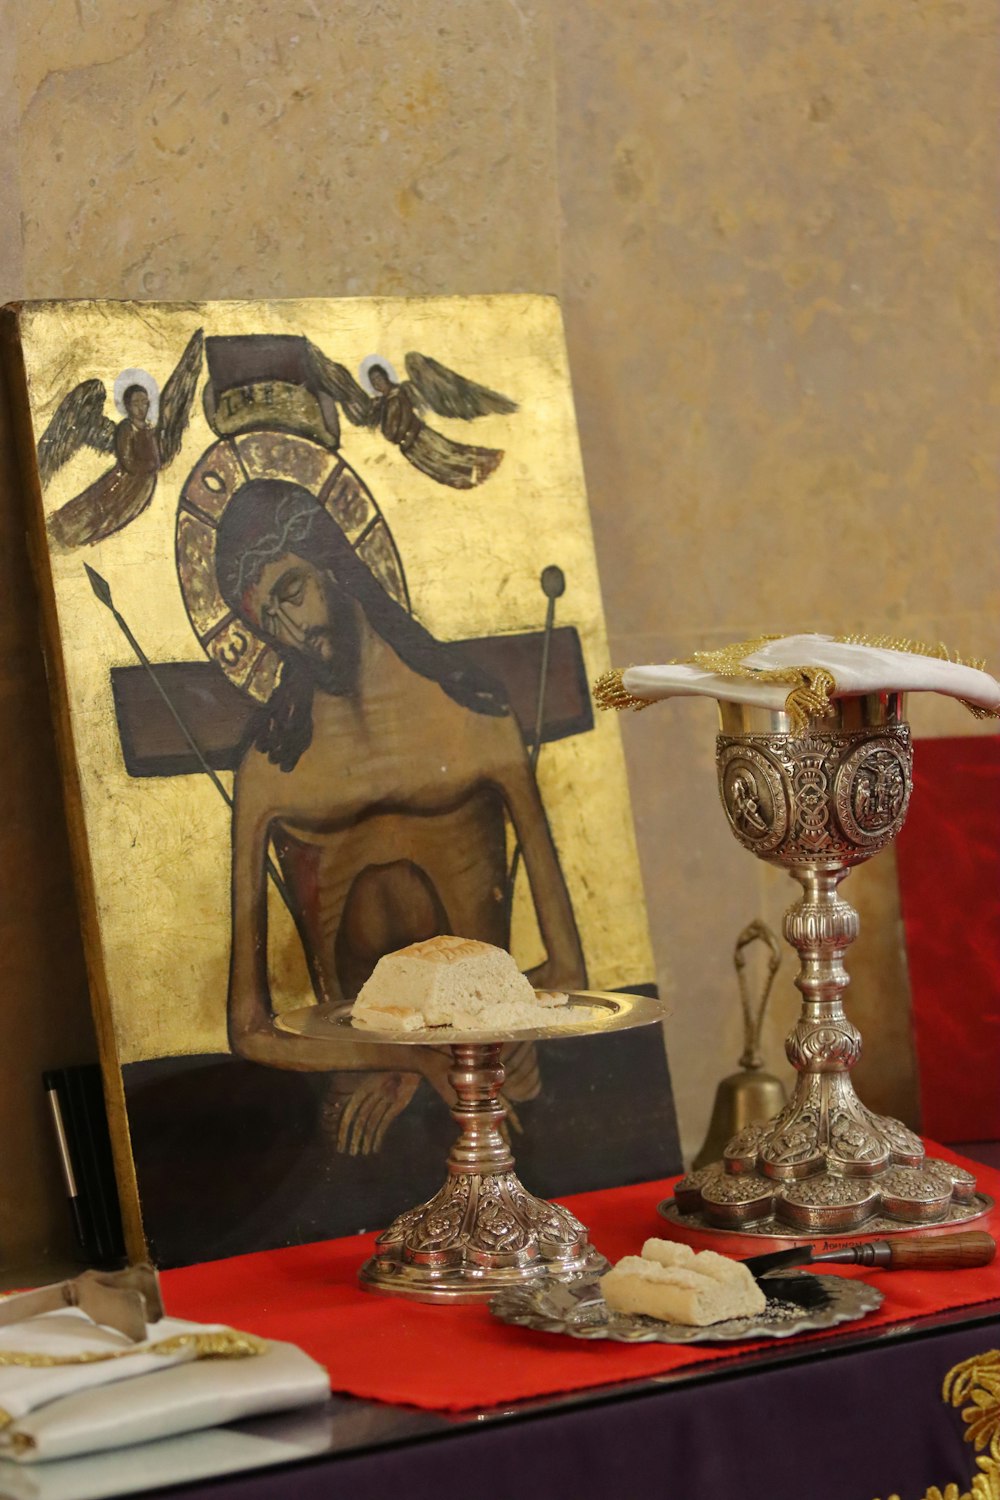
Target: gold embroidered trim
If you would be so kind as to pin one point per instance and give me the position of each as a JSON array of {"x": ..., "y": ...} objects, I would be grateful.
[
  {"x": 226, "y": 1343},
  {"x": 5, "y": 1418},
  {"x": 975, "y": 1381},
  {"x": 811, "y": 687},
  {"x": 811, "y": 699},
  {"x": 939, "y": 651},
  {"x": 610, "y": 692},
  {"x": 728, "y": 661}
]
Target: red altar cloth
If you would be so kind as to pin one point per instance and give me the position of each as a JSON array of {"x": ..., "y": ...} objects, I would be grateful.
[
  {"x": 462, "y": 1358},
  {"x": 950, "y": 895}
]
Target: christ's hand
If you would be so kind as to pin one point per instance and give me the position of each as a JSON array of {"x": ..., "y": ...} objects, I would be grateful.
[
  {"x": 558, "y": 976},
  {"x": 360, "y": 1107}
]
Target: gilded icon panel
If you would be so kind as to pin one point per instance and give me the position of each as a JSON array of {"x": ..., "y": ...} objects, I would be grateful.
[{"x": 325, "y": 606}]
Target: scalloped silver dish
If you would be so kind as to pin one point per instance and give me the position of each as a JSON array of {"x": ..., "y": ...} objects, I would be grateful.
[{"x": 577, "y": 1309}]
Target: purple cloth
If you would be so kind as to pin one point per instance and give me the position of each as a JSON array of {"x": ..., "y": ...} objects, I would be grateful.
[{"x": 852, "y": 1425}]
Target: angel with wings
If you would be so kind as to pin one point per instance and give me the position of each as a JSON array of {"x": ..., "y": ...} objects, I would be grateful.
[
  {"x": 393, "y": 406},
  {"x": 141, "y": 447}
]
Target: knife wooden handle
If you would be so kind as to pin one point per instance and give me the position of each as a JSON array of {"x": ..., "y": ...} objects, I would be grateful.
[{"x": 942, "y": 1252}]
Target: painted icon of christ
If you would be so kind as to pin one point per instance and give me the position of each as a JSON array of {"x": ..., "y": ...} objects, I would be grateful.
[{"x": 383, "y": 769}]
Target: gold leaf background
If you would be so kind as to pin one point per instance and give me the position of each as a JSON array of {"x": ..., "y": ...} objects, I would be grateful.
[{"x": 159, "y": 847}]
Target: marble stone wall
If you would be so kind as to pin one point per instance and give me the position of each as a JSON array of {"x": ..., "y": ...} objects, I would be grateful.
[
  {"x": 779, "y": 269},
  {"x": 774, "y": 231}
]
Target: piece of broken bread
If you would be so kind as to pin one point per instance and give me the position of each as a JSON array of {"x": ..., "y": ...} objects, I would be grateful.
[{"x": 675, "y": 1284}]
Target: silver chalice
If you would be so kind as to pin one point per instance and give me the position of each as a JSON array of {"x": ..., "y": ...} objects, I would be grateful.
[{"x": 818, "y": 800}]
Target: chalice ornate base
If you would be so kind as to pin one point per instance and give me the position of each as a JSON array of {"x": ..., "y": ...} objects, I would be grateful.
[
  {"x": 482, "y": 1232},
  {"x": 818, "y": 802}
]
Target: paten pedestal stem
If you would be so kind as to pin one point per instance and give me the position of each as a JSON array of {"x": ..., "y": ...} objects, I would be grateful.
[{"x": 477, "y": 1077}]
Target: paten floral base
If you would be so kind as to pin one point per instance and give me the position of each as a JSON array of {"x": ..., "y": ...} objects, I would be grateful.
[
  {"x": 477, "y": 1236},
  {"x": 482, "y": 1231}
]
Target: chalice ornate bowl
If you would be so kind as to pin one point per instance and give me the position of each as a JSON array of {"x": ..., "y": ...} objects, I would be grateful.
[{"x": 818, "y": 799}]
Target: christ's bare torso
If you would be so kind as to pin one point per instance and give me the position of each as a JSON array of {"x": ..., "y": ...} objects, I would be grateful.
[
  {"x": 391, "y": 825},
  {"x": 392, "y": 879}
]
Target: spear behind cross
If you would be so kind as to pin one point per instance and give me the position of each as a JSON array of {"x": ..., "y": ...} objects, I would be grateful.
[
  {"x": 553, "y": 582},
  {"x": 103, "y": 591}
]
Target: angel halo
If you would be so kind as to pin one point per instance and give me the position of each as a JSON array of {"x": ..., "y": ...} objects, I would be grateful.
[
  {"x": 375, "y": 362},
  {"x": 149, "y": 385}
]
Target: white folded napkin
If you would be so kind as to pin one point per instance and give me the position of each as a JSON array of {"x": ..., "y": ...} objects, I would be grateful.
[
  {"x": 815, "y": 667},
  {"x": 69, "y": 1386}
]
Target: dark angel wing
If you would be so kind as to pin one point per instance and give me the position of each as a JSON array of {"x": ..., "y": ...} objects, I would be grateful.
[
  {"x": 79, "y": 422},
  {"x": 176, "y": 399},
  {"x": 338, "y": 382},
  {"x": 450, "y": 394}
]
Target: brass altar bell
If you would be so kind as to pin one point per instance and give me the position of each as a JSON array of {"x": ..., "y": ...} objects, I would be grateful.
[{"x": 750, "y": 1094}]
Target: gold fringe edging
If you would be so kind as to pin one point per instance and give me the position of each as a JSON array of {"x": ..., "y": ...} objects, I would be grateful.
[{"x": 225, "y": 1343}]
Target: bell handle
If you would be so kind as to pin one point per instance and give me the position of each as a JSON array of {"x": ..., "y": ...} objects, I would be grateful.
[{"x": 757, "y": 931}]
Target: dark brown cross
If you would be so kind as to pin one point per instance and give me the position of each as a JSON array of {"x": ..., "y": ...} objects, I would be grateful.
[{"x": 217, "y": 715}]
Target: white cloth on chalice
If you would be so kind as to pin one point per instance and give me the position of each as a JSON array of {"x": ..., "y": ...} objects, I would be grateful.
[
  {"x": 855, "y": 669},
  {"x": 70, "y": 1386}
]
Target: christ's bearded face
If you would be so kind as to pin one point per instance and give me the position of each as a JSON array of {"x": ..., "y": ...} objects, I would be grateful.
[{"x": 303, "y": 609}]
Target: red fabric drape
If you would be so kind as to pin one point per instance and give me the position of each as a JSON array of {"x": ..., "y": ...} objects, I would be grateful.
[{"x": 949, "y": 881}]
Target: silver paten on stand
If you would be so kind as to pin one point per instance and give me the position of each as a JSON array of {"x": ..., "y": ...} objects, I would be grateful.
[
  {"x": 818, "y": 802},
  {"x": 482, "y": 1232}
]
